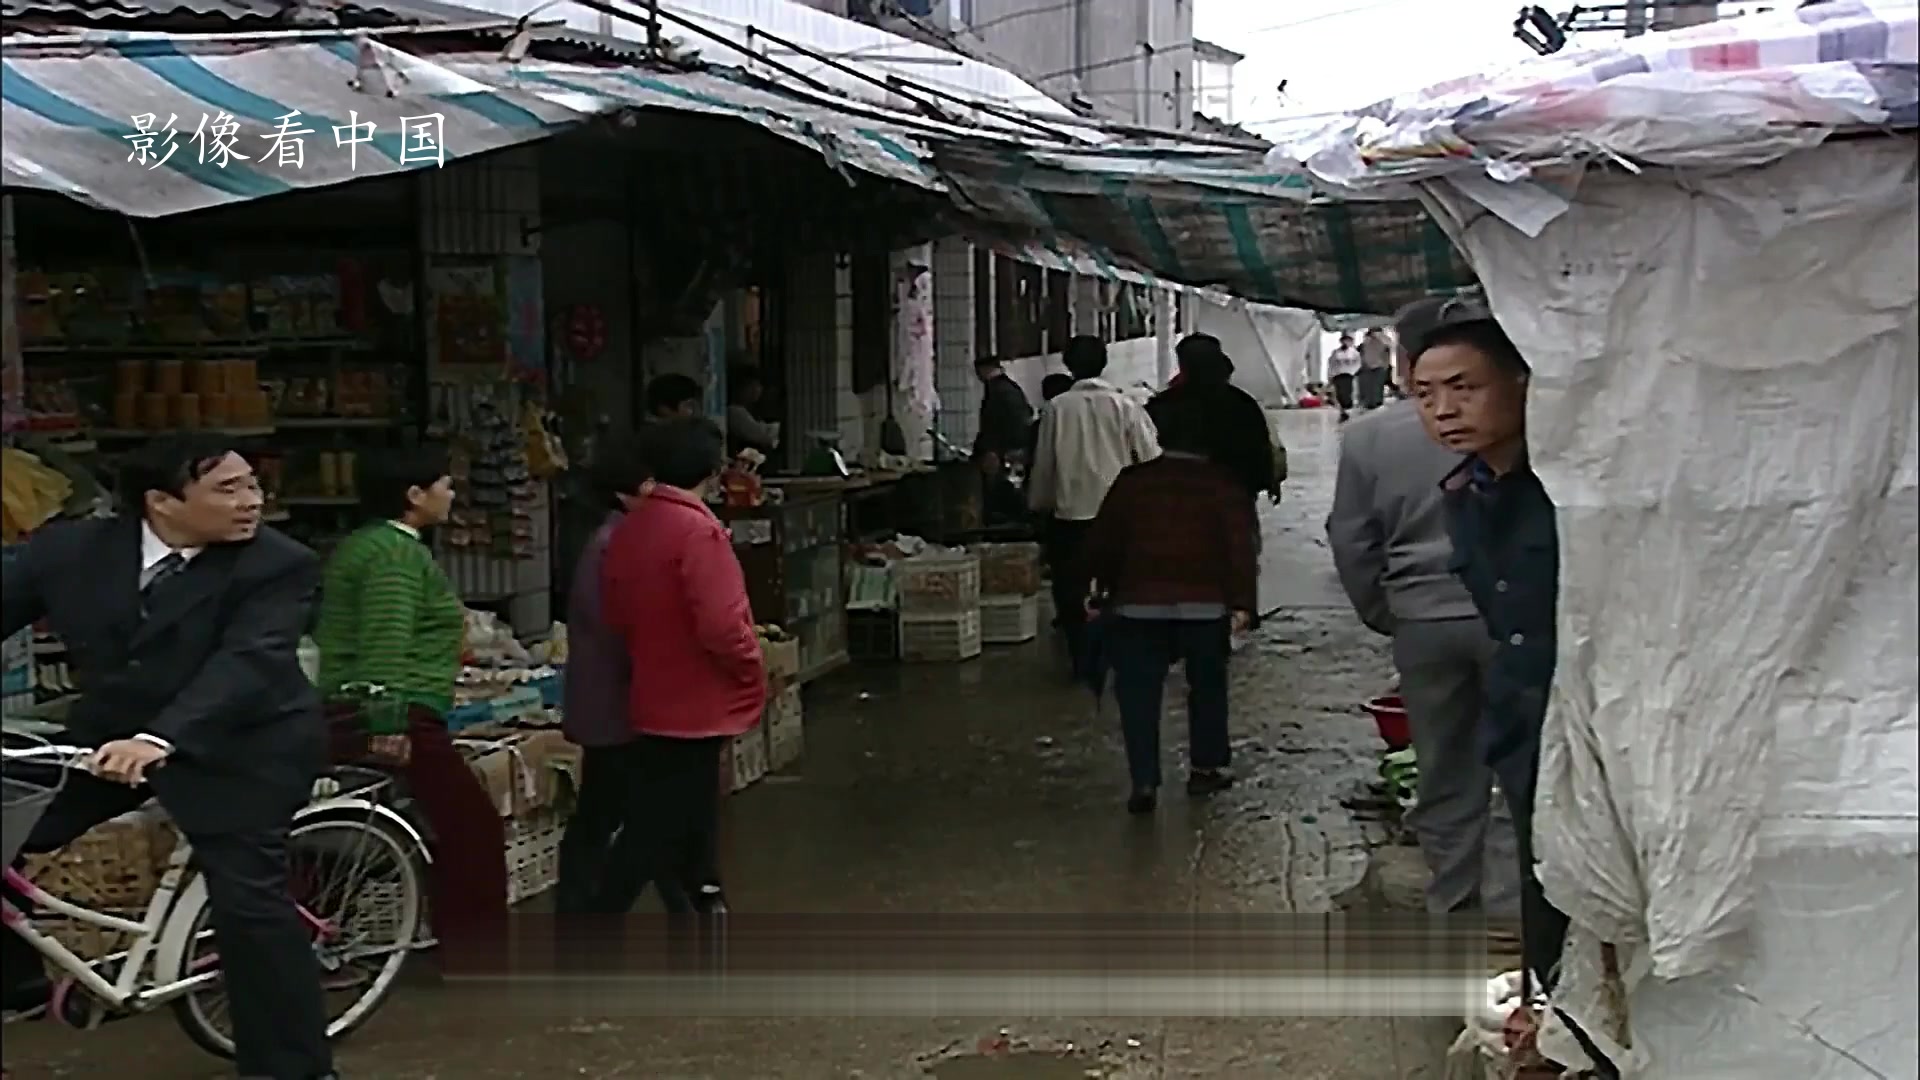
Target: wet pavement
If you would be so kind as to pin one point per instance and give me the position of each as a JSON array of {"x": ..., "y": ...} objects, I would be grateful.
[{"x": 983, "y": 787}]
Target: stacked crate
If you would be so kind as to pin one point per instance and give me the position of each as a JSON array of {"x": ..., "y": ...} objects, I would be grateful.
[
  {"x": 1010, "y": 593},
  {"x": 939, "y": 598}
]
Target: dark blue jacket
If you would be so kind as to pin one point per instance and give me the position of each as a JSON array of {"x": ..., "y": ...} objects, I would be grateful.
[{"x": 1506, "y": 551}]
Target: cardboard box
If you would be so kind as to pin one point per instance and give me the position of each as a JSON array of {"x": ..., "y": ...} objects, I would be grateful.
[
  {"x": 782, "y": 660},
  {"x": 527, "y": 770},
  {"x": 744, "y": 762},
  {"x": 786, "y": 734}
]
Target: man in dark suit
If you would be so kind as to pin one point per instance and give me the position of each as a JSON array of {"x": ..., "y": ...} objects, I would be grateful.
[{"x": 182, "y": 618}]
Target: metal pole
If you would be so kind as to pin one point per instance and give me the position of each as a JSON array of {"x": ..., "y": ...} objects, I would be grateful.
[{"x": 653, "y": 28}]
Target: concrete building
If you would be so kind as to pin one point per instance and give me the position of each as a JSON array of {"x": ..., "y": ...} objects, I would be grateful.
[{"x": 1213, "y": 80}]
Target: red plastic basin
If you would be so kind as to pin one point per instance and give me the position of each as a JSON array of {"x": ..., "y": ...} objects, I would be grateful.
[{"x": 1390, "y": 716}]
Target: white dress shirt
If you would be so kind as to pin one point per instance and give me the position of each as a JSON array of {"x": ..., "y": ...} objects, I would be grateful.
[
  {"x": 153, "y": 551},
  {"x": 1087, "y": 435},
  {"x": 1344, "y": 361}
]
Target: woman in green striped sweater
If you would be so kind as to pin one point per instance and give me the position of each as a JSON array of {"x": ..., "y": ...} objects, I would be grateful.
[{"x": 390, "y": 619}]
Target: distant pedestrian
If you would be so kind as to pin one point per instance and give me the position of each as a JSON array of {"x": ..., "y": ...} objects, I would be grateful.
[
  {"x": 1342, "y": 368},
  {"x": 1171, "y": 559},
  {"x": 1376, "y": 369},
  {"x": 1006, "y": 424},
  {"x": 745, "y": 429},
  {"x": 1087, "y": 436},
  {"x": 1388, "y": 532},
  {"x": 672, "y": 589}
]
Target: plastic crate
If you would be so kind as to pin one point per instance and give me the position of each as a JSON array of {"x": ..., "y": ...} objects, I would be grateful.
[
  {"x": 873, "y": 637},
  {"x": 533, "y": 853},
  {"x": 940, "y": 639},
  {"x": 1009, "y": 620},
  {"x": 938, "y": 585},
  {"x": 1009, "y": 569}
]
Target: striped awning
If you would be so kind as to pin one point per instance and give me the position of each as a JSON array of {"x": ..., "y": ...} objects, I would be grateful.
[
  {"x": 1227, "y": 224},
  {"x": 154, "y": 124}
]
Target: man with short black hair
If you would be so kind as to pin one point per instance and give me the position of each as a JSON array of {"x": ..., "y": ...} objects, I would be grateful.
[
  {"x": 1087, "y": 435},
  {"x": 1388, "y": 534},
  {"x": 1006, "y": 421},
  {"x": 1470, "y": 382},
  {"x": 183, "y": 616},
  {"x": 673, "y": 396}
]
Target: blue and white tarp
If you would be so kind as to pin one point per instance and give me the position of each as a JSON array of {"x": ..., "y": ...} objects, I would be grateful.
[{"x": 151, "y": 124}]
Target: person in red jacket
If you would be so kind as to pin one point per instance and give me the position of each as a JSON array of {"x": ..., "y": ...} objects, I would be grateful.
[{"x": 673, "y": 591}]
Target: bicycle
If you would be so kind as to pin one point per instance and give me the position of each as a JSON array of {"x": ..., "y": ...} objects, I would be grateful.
[{"x": 174, "y": 941}]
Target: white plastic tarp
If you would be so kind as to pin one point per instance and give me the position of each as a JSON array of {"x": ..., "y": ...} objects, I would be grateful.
[
  {"x": 1724, "y": 407},
  {"x": 1268, "y": 344}
]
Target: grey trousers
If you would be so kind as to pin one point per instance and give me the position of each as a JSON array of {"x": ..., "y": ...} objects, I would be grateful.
[{"x": 1465, "y": 833}]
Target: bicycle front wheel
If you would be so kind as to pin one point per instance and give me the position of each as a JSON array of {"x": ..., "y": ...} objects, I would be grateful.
[{"x": 361, "y": 884}]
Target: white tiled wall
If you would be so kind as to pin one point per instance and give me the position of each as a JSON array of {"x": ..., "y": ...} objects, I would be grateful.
[{"x": 954, "y": 345}]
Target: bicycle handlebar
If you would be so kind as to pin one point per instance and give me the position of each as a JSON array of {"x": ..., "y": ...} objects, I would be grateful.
[{"x": 68, "y": 757}]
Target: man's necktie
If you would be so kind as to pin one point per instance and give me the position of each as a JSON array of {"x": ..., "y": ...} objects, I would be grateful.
[{"x": 151, "y": 578}]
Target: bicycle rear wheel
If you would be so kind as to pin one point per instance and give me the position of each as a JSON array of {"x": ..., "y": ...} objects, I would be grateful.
[{"x": 363, "y": 882}]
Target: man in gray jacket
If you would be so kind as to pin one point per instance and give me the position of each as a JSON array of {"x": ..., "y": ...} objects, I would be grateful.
[{"x": 1390, "y": 546}]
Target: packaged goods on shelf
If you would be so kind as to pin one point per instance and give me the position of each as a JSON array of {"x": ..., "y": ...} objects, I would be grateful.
[
  {"x": 785, "y": 727},
  {"x": 1009, "y": 620},
  {"x": 940, "y": 639}
]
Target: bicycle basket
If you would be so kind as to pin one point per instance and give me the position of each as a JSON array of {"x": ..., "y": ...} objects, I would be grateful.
[{"x": 21, "y": 804}]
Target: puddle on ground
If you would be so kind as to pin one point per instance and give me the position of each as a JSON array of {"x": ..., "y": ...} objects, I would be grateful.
[{"x": 1018, "y": 1066}]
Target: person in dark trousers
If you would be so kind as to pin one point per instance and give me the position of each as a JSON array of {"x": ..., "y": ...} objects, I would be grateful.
[
  {"x": 1343, "y": 367},
  {"x": 1006, "y": 424},
  {"x": 673, "y": 397},
  {"x": 598, "y": 688},
  {"x": 1376, "y": 370},
  {"x": 1087, "y": 436},
  {"x": 1470, "y": 384},
  {"x": 672, "y": 589},
  {"x": 390, "y": 617},
  {"x": 1388, "y": 534},
  {"x": 1172, "y": 560},
  {"x": 1237, "y": 436},
  {"x": 183, "y": 616}
]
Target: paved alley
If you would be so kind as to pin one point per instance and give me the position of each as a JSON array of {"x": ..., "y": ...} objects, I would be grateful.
[{"x": 984, "y": 787}]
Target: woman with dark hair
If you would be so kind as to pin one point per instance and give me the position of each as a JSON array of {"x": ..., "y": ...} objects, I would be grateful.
[
  {"x": 672, "y": 590},
  {"x": 391, "y": 633}
]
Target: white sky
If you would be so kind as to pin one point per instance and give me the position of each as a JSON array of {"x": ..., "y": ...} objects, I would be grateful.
[{"x": 1343, "y": 54}]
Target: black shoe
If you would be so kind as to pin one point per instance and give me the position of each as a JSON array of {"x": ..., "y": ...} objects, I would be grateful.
[
  {"x": 710, "y": 901},
  {"x": 1208, "y": 781},
  {"x": 1142, "y": 802}
]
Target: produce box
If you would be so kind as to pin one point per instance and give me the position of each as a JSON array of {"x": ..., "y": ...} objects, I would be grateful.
[
  {"x": 533, "y": 852},
  {"x": 744, "y": 762},
  {"x": 785, "y": 727},
  {"x": 938, "y": 584},
  {"x": 1009, "y": 569},
  {"x": 523, "y": 770},
  {"x": 782, "y": 654}
]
